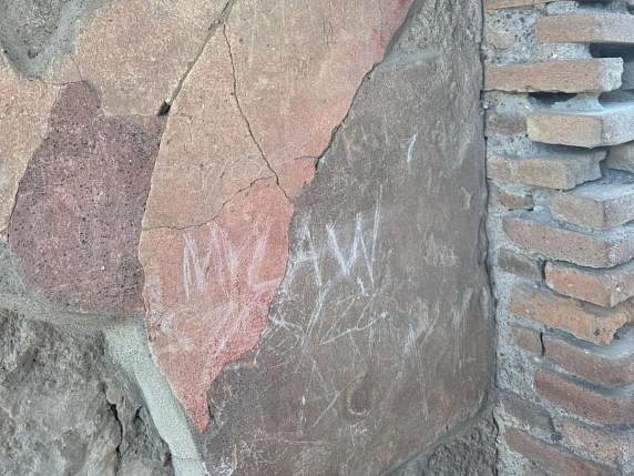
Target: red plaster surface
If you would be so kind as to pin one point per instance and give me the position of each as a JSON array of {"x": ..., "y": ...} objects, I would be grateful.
[{"x": 267, "y": 93}]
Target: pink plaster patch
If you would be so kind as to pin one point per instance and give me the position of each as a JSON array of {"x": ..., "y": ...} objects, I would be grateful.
[
  {"x": 282, "y": 86},
  {"x": 210, "y": 292}
]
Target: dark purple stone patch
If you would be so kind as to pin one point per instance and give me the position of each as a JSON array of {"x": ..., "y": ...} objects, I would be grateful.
[{"x": 78, "y": 213}]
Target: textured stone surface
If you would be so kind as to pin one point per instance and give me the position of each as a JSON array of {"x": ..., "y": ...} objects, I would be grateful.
[
  {"x": 612, "y": 365},
  {"x": 63, "y": 410},
  {"x": 34, "y": 32},
  {"x": 518, "y": 264},
  {"x": 611, "y": 407},
  {"x": 472, "y": 453},
  {"x": 539, "y": 234},
  {"x": 611, "y": 125},
  {"x": 558, "y": 171},
  {"x": 598, "y": 27},
  {"x": 135, "y": 52},
  {"x": 362, "y": 329},
  {"x": 260, "y": 101},
  {"x": 587, "y": 322},
  {"x": 548, "y": 459},
  {"x": 78, "y": 212},
  {"x": 604, "y": 204},
  {"x": 572, "y": 76},
  {"x": 24, "y": 115},
  {"x": 614, "y": 447},
  {"x": 621, "y": 157},
  {"x": 605, "y": 287},
  {"x": 498, "y": 4},
  {"x": 527, "y": 339}
]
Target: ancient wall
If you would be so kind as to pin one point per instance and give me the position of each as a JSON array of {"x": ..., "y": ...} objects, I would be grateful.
[
  {"x": 243, "y": 237},
  {"x": 559, "y": 128}
]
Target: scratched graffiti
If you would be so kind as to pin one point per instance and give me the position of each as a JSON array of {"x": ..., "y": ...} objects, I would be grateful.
[{"x": 209, "y": 295}]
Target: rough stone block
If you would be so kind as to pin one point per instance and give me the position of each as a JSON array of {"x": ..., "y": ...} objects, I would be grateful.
[
  {"x": 521, "y": 412},
  {"x": 621, "y": 157},
  {"x": 67, "y": 410},
  {"x": 560, "y": 171},
  {"x": 596, "y": 27},
  {"x": 604, "y": 287},
  {"x": 552, "y": 459},
  {"x": 511, "y": 199},
  {"x": 587, "y": 322},
  {"x": 505, "y": 123},
  {"x": 518, "y": 264},
  {"x": 612, "y": 125},
  {"x": 611, "y": 446},
  {"x": 537, "y": 233},
  {"x": 612, "y": 365},
  {"x": 498, "y": 4},
  {"x": 604, "y": 204},
  {"x": 608, "y": 407},
  {"x": 527, "y": 339},
  {"x": 471, "y": 451},
  {"x": 570, "y": 76}
]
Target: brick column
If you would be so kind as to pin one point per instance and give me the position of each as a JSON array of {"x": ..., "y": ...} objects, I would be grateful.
[{"x": 560, "y": 132}]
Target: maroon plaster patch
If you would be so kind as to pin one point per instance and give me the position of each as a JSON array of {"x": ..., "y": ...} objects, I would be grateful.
[{"x": 77, "y": 218}]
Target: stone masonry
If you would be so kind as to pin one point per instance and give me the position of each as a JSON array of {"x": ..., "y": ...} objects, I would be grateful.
[{"x": 559, "y": 126}]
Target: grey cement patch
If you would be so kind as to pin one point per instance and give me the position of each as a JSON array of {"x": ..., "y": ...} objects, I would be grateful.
[
  {"x": 127, "y": 346},
  {"x": 34, "y": 32}
]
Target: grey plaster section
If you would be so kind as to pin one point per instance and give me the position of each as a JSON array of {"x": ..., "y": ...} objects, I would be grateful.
[
  {"x": 380, "y": 340},
  {"x": 127, "y": 346},
  {"x": 34, "y": 32},
  {"x": 469, "y": 451},
  {"x": 124, "y": 357},
  {"x": 65, "y": 410}
]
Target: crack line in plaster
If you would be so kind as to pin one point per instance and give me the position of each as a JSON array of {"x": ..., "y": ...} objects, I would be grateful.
[
  {"x": 226, "y": 10},
  {"x": 244, "y": 117},
  {"x": 216, "y": 215}
]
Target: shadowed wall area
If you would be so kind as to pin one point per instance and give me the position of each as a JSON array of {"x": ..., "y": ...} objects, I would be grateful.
[{"x": 257, "y": 229}]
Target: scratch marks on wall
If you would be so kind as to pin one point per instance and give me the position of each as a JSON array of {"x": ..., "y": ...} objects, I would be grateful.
[{"x": 254, "y": 112}]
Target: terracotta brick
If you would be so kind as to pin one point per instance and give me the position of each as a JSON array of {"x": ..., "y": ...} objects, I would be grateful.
[
  {"x": 612, "y": 365},
  {"x": 561, "y": 171},
  {"x": 536, "y": 232},
  {"x": 527, "y": 339},
  {"x": 586, "y": 28},
  {"x": 525, "y": 413},
  {"x": 605, "y": 287},
  {"x": 518, "y": 264},
  {"x": 621, "y": 157},
  {"x": 504, "y": 123},
  {"x": 498, "y": 4},
  {"x": 585, "y": 321},
  {"x": 611, "y": 125},
  {"x": 604, "y": 204},
  {"x": 610, "y": 407},
  {"x": 571, "y": 76},
  {"x": 614, "y": 447},
  {"x": 511, "y": 199},
  {"x": 550, "y": 458}
]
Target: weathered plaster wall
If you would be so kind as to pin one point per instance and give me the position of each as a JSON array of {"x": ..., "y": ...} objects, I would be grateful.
[{"x": 289, "y": 196}]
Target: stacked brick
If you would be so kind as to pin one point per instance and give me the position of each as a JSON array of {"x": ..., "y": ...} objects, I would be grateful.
[{"x": 560, "y": 131}]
